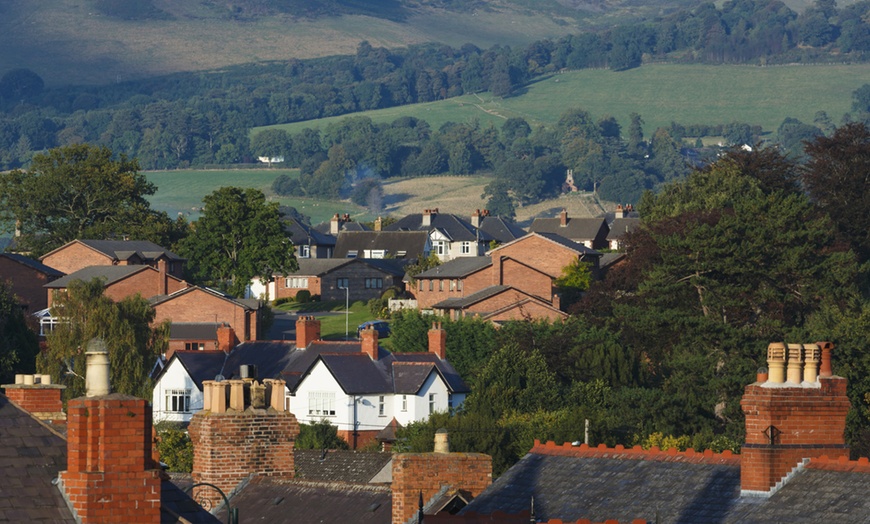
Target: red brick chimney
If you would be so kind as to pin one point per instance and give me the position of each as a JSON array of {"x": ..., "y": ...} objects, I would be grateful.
[
  {"x": 620, "y": 211},
  {"x": 369, "y": 343},
  {"x": 36, "y": 394},
  {"x": 243, "y": 430},
  {"x": 226, "y": 338},
  {"x": 438, "y": 340},
  {"x": 791, "y": 416},
  {"x": 307, "y": 331},
  {"x": 162, "y": 281},
  {"x": 112, "y": 474},
  {"x": 563, "y": 218},
  {"x": 428, "y": 473}
]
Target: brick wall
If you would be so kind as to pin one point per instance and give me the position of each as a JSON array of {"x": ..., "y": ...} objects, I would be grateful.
[
  {"x": 362, "y": 437},
  {"x": 147, "y": 283},
  {"x": 356, "y": 274},
  {"x": 470, "y": 284},
  {"x": 523, "y": 310},
  {"x": 228, "y": 447},
  {"x": 26, "y": 283},
  {"x": 428, "y": 472},
  {"x": 75, "y": 256},
  {"x": 42, "y": 400},
  {"x": 111, "y": 475},
  {"x": 200, "y": 306},
  {"x": 810, "y": 421},
  {"x": 282, "y": 291},
  {"x": 527, "y": 279},
  {"x": 538, "y": 253}
]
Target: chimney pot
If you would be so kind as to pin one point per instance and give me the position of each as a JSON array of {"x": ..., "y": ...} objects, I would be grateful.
[
  {"x": 97, "y": 374},
  {"x": 19, "y": 378},
  {"x": 442, "y": 442},
  {"x": 28, "y": 380},
  {"x": 761, "y": 375},
  {"x": 825, "y": 369},
  {"x": 776, "y": 362},
  {"x": 795, "y": 364},
  {"x": 812, "y": 358}
]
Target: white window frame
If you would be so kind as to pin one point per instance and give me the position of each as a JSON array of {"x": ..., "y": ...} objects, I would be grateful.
[
  {"x": 431, "y": 403},
  {"x": 321, "y": 403},
  {"x": 382, "y": 407},
  {"x": 304, "y": 251},
  {"x": 440, "y": 247},
  {"x": 404, "y": 402},
  {"x": 296, "y": 282},
  {"x": 465, "y": 248},
  {"x": 175, "y": 399},
  {"x": 374, "y": 283}
]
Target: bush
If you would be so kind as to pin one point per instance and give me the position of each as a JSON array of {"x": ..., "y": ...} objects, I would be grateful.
[
  {"x": 284, "y": 300},
  {"x": 303, "y": 296},
  {"x": 319, "y": 435},
  {"x": 174, "y": 446}
]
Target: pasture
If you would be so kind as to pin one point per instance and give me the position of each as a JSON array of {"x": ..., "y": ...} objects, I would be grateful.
[{"x": 660, "y": 93}]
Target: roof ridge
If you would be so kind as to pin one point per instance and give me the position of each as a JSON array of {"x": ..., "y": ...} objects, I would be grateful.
[
  {"x": 862, "y": 465},
  {"x": 636, "y": 453}
]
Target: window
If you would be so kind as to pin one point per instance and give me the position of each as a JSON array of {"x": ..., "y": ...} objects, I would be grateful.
[
  {"x": 453, "y": 285},
  {"x": 374, "y": 283},
  {"x": 296, "y": 282},
  {"x": 459, "y": 285},
  {"x": 305, "y": 251},
  {"x": 440, "y": 247},
  {"x": 381, "y": 406},
  {"x": 177, "y": 400},
  {"x": 404, "y": 402},
  {"x": 431, "y": 403},
  {"x": 378, "y": 253},
  {"x": 342, "y": 283},
  {"x": 47, "y": 324},
  {"x": 420, "y": 285},
  {"x": 401, "y": 253},
  {"x": 441, "y": 285},
  {"x": 352, "y": 253},
  {"x": 431, "y": 284},
  {"x": 321, "y": 403},
  {"x": 194, "y": 346},
  {"x": 466, "y": 248}
]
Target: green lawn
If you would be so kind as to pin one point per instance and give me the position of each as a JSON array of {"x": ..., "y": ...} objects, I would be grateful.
[
  {"x": 660, "y": 93},
  {"x": 332, "y": 327},
  {"x": 181, "y": 191}
]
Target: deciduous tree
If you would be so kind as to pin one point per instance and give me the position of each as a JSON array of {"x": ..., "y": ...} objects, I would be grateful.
[{"x": 18, "y": 344}]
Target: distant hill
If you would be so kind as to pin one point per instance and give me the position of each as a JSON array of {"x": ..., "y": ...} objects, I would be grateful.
[{"x": 106, "y": 41}]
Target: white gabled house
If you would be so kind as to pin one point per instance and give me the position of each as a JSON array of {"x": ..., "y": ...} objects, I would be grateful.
[{"x": 357, "y": 386}]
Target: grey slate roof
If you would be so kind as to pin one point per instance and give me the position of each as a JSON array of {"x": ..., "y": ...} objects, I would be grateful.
[
  {"x": 325, "y": 227},
  {"x": 122, "y": 249},
  {"x": 464, "y": 302},
  {"x": 193, "y": 330},
  {"x": 110, "y": 274},
  {"x": 621, "y": 226},
  {"x": 300, "y": 234},
  {"x": 409, "y": 377},
  {"x": 339, "y": 465},
  {"x": 566, "y": 242},
  {"x": 669, "y": 491},
  {"x": 200, "y": 365},
  {"x": 33, "y": 264},
  {"x": 298, "y": 501},
  {"x": 457, "y": 268},
  {"x": 322, "y": 266},
  {"x": 575, "y": 229},
  {"x": 500, "y": 229},
  {"x": 413, "y": 243},
  {"x": 456, "y": 228}
]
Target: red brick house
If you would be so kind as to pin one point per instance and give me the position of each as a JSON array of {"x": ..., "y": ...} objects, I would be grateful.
[
  {"x": 80, "y": 254},
  {"x": 27, "y": 277},
  {"x": 122, "y": 281},
  {"x": 365, "y": 278},
  {"x": 196, "y": 304}
]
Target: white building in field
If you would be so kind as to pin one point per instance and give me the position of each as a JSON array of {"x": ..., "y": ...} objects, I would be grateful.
[{"x": 357, "y": 386}]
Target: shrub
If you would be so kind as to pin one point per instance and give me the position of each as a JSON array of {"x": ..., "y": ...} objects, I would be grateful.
[
  {"x": 303, "y": 296},
  {"x": 319, "y": 435},
  {"x": 174, "y": 446},
  {"x": 284, "y": 300}
]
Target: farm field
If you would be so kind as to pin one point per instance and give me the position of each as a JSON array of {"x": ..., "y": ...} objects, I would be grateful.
[{"x": 660, "y": 93}]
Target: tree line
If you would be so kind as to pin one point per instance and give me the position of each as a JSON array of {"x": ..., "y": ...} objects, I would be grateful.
[{"x": 199, "y": 119}]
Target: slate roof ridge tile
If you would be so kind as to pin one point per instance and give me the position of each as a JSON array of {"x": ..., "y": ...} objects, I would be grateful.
[
  {"x": 862, "y": 465},
  {"x": 637, "y": 453}
]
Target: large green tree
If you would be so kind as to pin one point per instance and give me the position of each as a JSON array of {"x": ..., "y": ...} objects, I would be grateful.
[
  {"x": 80, "y": 191},
  {"x": 18, "y": 343},
  {"x": 124, "y": 326},
  {"x": 239, "y": 236}
]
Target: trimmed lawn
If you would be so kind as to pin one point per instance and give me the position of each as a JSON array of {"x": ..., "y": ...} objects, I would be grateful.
[{"x": 332, "y": 326}]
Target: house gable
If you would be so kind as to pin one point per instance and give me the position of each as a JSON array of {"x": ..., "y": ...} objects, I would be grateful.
[{"x": 74, "y": 256}]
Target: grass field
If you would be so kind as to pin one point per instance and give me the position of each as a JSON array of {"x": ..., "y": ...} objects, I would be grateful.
[
  {"x": 182, "y": 191},
  {"x": 332, "y": 327},
  {"x": 660, "y": 93}
]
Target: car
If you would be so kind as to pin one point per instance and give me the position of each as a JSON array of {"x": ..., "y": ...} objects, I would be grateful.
[{"x": 381, "y": 326}]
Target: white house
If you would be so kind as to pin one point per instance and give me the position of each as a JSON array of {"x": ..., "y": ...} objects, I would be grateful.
[{"x": 356, "y": 386}]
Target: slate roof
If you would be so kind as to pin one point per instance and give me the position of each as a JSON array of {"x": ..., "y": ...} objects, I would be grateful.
[
  {"x": 124, "y": 249},
  {"x": 575, "y": 229},
  {"x": 33, "y": 264},
  {"x": 500, "y": 229},
  {"x": 608, "y": 259},
  {"x": 32, "y": 455},
  {"x": 200, "y": 365},
  {"x": 459, "y": 267},
  {"x": 193, "y": 330},
  {"x": 621, "y": 226},
  {"x": 322, "y": 266},
  {"x": 346, "y": 466},
  {"x": 326, "y": 227},
  {"x": 464, "y": 302},
  {"x": 668, "y": 489},
  {"x": 412, "y": 243},
  {"x": 455, "y": 228},
  {"x": 272, "y": 500},
  {"x": 409, "y": 377},
  {"x": 110, "y": 274},
  {"x": 300, "y": 234}
]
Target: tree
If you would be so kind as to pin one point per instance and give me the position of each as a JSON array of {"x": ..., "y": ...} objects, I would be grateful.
[
  {"x": 575, "y": 279},
  {"x": 79, "y": 191},
  {"x": 20, "y": 83},
  {"x": 837, "y": 177},
  {"x": 239, "y": 236},
  {"x": 18, "y": 345},
  {"x": 319, "y": 435},
  {"x": 124, "y": 326},
  {"x": 271, "y": 143}
]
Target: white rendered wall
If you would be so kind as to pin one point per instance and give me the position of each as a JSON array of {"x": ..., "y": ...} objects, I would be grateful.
[{"x": 175, "y": 377}]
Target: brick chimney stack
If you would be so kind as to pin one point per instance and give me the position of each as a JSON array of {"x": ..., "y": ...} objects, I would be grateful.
[
  {"x": 334, "y": 225},
  {"x": 438, "y": 340},
  {"x": 791, "y": 418},
  {"x": 163, "y": 280},
  {"x": 243, "y": 430},
  {"x": 427, "y": 216},
  {"x": 307, "y": 331},
  {"x": 112, "y": 473},
  {"x": 369, "y": 342},
  {"x": 379, "y": 223},
  {"x": 428, "y": 473},
  {"x": 36, "y": 394},
  {"x": 620, "y": 211},
  {"x": 226, "y": 338},
  {"x": 475, "y": 218},
  {"x": 563, "y": 218}
]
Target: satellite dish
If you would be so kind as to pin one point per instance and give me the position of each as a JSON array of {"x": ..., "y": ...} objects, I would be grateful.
[{"x": 219, "y": 378}]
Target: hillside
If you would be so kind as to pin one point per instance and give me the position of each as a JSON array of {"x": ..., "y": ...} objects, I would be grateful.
[
  {"x": 660, "y": 93},
  {"x": 108, "y": 41}
]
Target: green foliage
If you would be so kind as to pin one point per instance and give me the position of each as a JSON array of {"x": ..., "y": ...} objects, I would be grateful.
[
  {"x": 174, "y": 446},
  {"x": 124, "y": 326},
  {"x": 18, "y": 345},
  {"x": 319, "y": 435},
  {"x": 422, "y": 264},
  {"x": 239, "y": 236},
  {"x": 409, "y": 330},
  {"x": 80, "y": 191},
  {"x": 303, "y": 296},
  {"x": 575, "y": 279}
]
